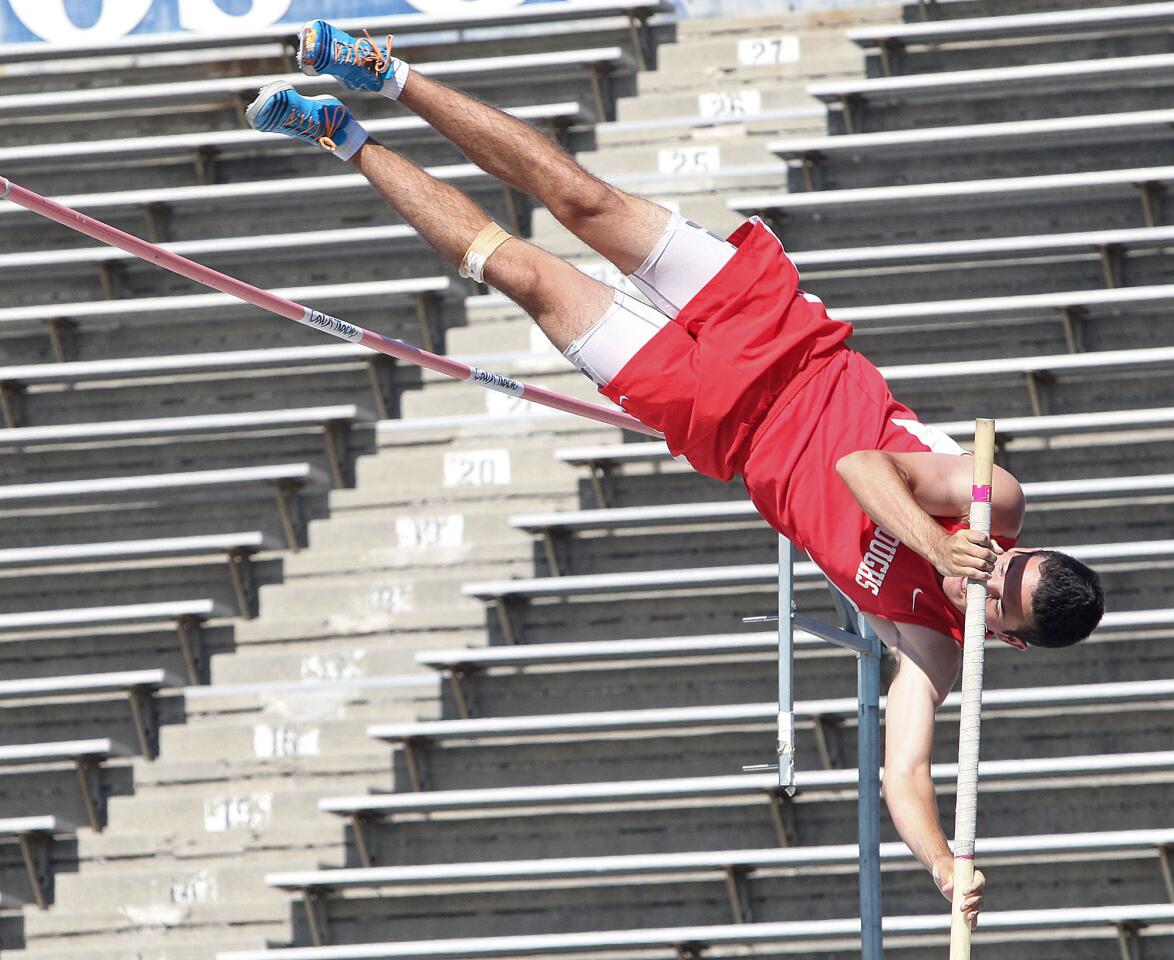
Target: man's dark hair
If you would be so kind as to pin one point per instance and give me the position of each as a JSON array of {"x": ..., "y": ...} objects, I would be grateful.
[{"x": 1068, "y": 603}]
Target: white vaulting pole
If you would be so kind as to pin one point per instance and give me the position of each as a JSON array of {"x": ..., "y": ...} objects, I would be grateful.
[{"x": 974, "y": 643}]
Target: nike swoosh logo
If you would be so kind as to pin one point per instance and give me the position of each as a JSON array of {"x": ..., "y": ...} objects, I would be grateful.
[{"x": 915, "y": 593}]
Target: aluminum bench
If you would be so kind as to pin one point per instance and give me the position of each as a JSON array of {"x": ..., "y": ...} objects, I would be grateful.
[
  {"x": 334, "y": 421},
  {"x": 1126, "y": 924},
  {"x": 603, "y": 458},
  {"x": 1071, "y": 308},
  {"x": 891, "y": 39},
  {"x": 61, "y": 318},
  {"x": 820, "y": 715},
  {"x": 188, "y": 617},
  {"x": 598, "y": 63},
  {"x": 550, "y": 799},
  {"x": 1146, "y": 182},
  {"x": 15, "y": 379},
  {"x": 735, "y": 867},
  {"x": 34, "y": 834},
  {"x": 286, "y": 479},
  {"x": 140, "y": 687},
  {"x": 154, "y": 203},
  {"x": 1127, "y": 128},
  {"x": 505, "y": 594},
  {"x": 87, "y": 757},
  {"x": 238, "y": 549},
  {"x": 205, "y": 148},
  {"x": 851, "y": 95},
  {"x": 460, "y": 664},
  {"x": 1109, "y": 245}
]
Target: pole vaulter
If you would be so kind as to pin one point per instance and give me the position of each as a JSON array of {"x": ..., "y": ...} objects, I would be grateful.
[
  {"x": 743, "y": 373},
  {"x": 152, "y": 253}
]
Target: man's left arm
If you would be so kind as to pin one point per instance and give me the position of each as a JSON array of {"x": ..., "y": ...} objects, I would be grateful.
[
  {"x": 927, "y": 663},
  {"x": 904, "y": 492}
]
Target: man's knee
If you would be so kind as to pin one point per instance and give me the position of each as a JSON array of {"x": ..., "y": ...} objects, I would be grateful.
[{"x": 586, "y": 200}]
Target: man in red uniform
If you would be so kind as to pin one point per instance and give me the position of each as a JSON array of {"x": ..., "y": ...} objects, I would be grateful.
[{"x": 744, "y": 374}]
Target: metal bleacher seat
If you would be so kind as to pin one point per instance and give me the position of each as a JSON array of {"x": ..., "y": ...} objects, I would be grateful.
[
  {"x": 415, "y": 738},
  {"x": 735, "y": 867},
  {"x": 187, "y": 616},
  {"x": 889, "y": 40},
  {"x": 237, "y": 548},
  {"x": 206, "y": 147},
  {"x": 86, "y": 756},
  {"x": 14, "y": 380},
  {"x": 809, "y": 153},
  {"x": 1128, "y": 924},
  {"x": 1044, "y": 773},
  {"x": 851, "y": 97},
  {"x": 153, "y": 203},
  {"x": 506, "y": 594},
  {"x": 1143, "y": 184},
  {"x": 34, "y": 835},
  {"x": 286, "y": 479},
  {"x": 335, "y": 422},
  {"x": 1111, "y": 246},
  {"x": 423, "y": 291},
  {"x": 460, "y": 664},
  {"x": 139, "y": 687},
  {"x": 599, "y": 64}
]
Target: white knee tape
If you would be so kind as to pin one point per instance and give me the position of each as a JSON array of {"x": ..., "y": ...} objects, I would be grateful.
[{"x": 481, "y": 249}]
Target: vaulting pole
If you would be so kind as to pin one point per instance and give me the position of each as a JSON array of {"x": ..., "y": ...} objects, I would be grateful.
[
  {"x": 966, "y": 809},
  {"x": 155, "y": 254}
]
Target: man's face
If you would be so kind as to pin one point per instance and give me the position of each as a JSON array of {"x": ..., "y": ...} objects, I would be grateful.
[{"x": 1010, "y": 591}]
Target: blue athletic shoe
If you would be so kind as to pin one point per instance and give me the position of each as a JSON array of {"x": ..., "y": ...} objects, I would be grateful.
[
  {"x": 357, "y": 62},
  {"x": 322, "y": 121}
]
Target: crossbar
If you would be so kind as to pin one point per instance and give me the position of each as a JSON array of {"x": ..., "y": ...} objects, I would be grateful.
[{"x": 306, "y": 315}]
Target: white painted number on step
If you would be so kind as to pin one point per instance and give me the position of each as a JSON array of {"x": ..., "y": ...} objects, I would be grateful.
[
  {"x": 422, "y": 533},
  {"x": 690, "y": 160},
  {"x": 198, "y": 888},
  {"x": 721, "y": 106},
  {"x": 768, "y": 51},
  {"x": 233, "y": 813},
  {"x": 334, "y": 666},
  {"x": 477, "y": 468},
  {"x": 271, "y": 743}
]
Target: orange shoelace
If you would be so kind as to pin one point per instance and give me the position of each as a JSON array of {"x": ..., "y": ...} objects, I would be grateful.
[
  {"x": 323, "y": 131},
  {"x": 365, "y": 53}
]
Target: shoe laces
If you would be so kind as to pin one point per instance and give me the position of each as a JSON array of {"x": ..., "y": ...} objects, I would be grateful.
[
  {"x": 365, "y": 53},
  {"x": 321, "y": 129}
]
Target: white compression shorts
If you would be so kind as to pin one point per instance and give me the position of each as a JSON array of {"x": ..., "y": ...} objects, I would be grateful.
[{"x": 685, "y": 259}]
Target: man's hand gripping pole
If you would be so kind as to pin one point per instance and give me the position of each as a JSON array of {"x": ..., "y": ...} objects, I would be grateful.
[
  {"x": 162, "y": 257},
  {"x": 972, "y": 663}
]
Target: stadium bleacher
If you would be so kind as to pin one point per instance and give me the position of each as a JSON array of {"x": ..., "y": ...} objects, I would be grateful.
[{"x": 339, "y": 749}]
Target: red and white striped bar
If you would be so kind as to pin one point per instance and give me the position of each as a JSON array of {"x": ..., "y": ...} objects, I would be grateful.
[{"x": 307, "y": 315}]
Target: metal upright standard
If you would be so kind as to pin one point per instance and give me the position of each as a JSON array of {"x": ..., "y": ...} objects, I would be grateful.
[{"x": 855, "y": 635}]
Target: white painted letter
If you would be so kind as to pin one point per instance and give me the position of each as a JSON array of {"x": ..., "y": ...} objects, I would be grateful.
[{"x": 49, "y": 20}]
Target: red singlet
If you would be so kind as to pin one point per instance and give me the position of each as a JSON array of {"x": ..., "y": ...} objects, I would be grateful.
[{"x": 753, "y": 377}]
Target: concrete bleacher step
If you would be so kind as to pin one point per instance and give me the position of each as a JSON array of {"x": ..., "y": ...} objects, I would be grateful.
[
  {"x": 715, "y": 153},
  {"x": 254, "y": 813},
  {"x": 141, "y": 947},
  {"x": 330, "y": 661},
  {"x": 374, "y": 600}
]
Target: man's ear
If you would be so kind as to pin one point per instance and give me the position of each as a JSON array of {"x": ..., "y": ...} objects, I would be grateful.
[{"x": 1012, "y": 641}]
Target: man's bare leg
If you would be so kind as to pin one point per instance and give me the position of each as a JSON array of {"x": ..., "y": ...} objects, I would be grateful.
[
  {"x": 563, "y": 301},
  {"x": 619, "y": 226}
]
